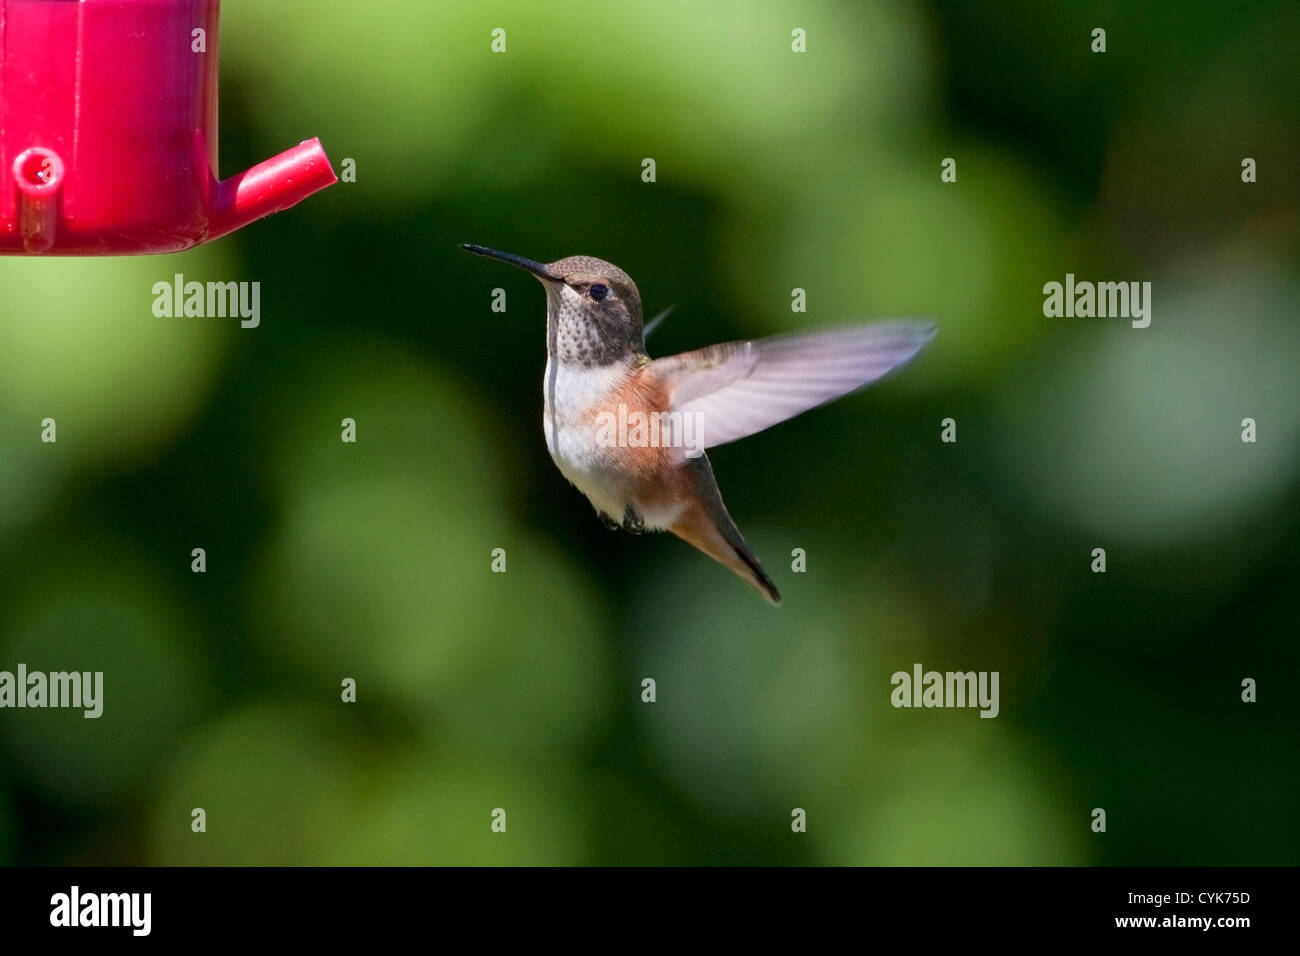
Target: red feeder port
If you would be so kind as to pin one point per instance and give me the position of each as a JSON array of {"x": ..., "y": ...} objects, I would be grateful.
[{"x": 108, "y": 132}]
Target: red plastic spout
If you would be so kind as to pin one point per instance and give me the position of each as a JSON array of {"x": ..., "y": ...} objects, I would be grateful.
[{"x": 270, "y": 186}]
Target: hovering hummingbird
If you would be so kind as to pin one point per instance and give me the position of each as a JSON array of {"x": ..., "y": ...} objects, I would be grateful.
[{"x": 654, "y": 476}]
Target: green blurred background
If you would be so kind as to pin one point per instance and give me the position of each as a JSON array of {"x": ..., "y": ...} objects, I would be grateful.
[{"x": 521, "y": 690}]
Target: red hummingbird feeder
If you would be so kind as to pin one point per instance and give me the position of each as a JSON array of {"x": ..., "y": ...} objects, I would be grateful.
[{"x": 108, "y": 132}]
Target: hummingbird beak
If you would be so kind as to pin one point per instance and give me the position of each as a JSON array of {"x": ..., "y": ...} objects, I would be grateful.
[{"x": 536, "y": 268}]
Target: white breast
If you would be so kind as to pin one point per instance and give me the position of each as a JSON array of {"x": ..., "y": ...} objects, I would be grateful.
[{"x": 569, "y": 393}]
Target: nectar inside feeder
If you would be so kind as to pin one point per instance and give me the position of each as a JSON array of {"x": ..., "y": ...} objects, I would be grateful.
[{"x": 108, "y": 132}]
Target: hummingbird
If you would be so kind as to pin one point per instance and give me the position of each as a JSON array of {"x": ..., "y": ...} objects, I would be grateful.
[{"x": 652, "y": 473}]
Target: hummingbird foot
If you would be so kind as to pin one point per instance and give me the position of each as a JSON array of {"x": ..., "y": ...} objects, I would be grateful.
[
  {"x": 608, "y": 522},
  {"x": 632, "y": 522}
]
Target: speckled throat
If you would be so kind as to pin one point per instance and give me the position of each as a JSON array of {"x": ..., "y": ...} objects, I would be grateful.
[{"x": 575, "y": 336}]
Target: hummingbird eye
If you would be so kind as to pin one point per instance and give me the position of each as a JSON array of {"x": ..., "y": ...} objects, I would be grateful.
[{"x": 598, "y": 291}]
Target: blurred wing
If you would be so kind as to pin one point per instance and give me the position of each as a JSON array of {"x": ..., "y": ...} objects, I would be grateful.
[
  {"x": 654, "y": 323},
  {"x": 739, "y": 388}
]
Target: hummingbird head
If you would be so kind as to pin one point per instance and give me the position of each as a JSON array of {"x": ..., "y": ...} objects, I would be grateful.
[{"x": 593, "y": 308}]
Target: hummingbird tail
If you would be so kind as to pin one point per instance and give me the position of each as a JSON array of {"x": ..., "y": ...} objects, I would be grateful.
[
  {"x": 707, "y": 526},
  {"x": 753, "y": 571},
  {"x": 724, "y": 544}
]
